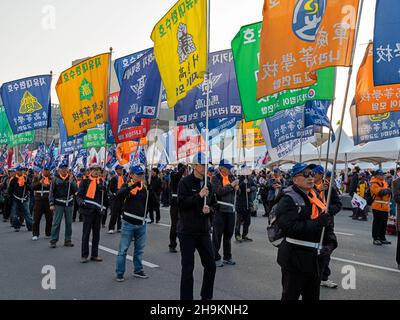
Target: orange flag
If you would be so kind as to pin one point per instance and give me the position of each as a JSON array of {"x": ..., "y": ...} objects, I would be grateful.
[
  {"x": 301, "y": 36},
  {"x": 370, "y": 99},
  {"x": 125, "y": 149}
]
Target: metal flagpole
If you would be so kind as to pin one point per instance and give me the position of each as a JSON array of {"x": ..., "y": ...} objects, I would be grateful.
[
  {"x": 330, "y": 126},
  {"x": 342, "y": 117},
  {"x": 207, "y": 78},
  {"x": 302, "y": 136},
  {"x": 244, "y": 156},
  {"x": 105, "y": 127}
]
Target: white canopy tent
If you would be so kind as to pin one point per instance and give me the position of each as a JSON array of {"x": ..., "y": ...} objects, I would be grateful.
[{"x": 377, "y": 152}]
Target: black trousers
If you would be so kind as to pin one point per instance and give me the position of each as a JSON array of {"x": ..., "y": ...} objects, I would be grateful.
[
  {"x": 188, "y": 245},
  {"x": 379, "y": 225},
  {"x": 243, "y": 218},
  {"x": 154, "y": 206},
  {"x": 76, "y": 211},
  {"x": 298, "y": 284},
  {"x": 224, "y": 225},
  {"x": 173, "y": 211},
  {"x": 116, "y": 212},
  {"x": 42, "y": 207},
  {"x": 91, "y": 223},
  {"x": 7, "y": 208},
  {"x": 398, "y": 248}
]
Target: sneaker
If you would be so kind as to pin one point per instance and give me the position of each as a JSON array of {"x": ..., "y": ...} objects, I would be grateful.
[
  {"x": 140, "y": 275},
  {"x": 158, "y": 221},
  {"x": 238, "y": 238},
  {"x": 16, "y": 229},
  {"x": 377, "y": 242},
  {"x": 68, "y": 244},
  {"x": 219, "y": 263},
  {"x": 150, "y": 222},
  {"x": 53, "y": 245},
  {"x": 247, "y": 239},
  {"x": 110, "y": 231},
  {"x": 84, "y": 260},
  {"x": 329, "y": 284},
  {"x": 363, "y": 219},
  {"x": 119, "y": 231},
  {"x": 120, "y": 278},
  {"x": 96, "y": 259},
  {"x": 385, "y": 242},
  {"x": 229, "y": 262},
  {"x": 35, "y": 238},
  {"x": 173, "y": 250}
]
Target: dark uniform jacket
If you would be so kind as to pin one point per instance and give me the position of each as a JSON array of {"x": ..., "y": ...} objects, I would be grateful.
[
  {"x": 59, "y": 191},
  {"x": 133, "y": 204},
  {"x": 224, "y": 194},
  {"x": 113, "y": 187},
  {"x": 92, "y": 206},
  {"x": 295, "y": 222},
  {"x": 41, "y": 192},
  {"x": 243, "y": 201},
  {"x": 191, "y": 219},
  {"x": 175, "y": 179},
  {"x": 16, "y": 192}
]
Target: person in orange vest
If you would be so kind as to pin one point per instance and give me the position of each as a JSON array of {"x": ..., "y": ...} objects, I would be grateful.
[{"x": 381, "y": 194}]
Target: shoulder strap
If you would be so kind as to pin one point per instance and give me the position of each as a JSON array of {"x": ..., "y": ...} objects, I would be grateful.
[{"x": 298, "y": 199}]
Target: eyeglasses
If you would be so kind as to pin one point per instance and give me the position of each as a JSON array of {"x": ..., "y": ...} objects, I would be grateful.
[{"x": 307, "y": 174}]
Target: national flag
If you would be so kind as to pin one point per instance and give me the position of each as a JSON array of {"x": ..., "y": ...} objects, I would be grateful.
[
  {"x": 387, "y": 43},
  {"x": 301, "y": 36},
  {"x": 371, "y": 99},
  {"x": 82, "y": 92},
  {"x": 27, "y": 103},
  {"x": 180, "y": 46}
]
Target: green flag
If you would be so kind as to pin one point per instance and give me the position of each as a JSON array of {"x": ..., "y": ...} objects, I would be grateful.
[
  {"x": 246, "y": 51},
  {"x": 95, "y": 138},
  {"x": 7, "y": 136}
]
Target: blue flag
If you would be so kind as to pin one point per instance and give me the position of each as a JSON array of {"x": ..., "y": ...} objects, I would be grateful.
[
  {"x": 111, "y": 157},
  {"x": 69, "y": 145},
  {"x": 224, "y": 94},
  {"x": 121, "y": 64},
  {"x": 315, "y": 113},
  {"x": 288, "y": 125},
  {"x": 387, "y": 43},
  {"x": 110, "y": 135},
  {"x": 140, "y": 92},
  {"x": 27, "y": 103},
  {"x": 216, "y": 126},
  {"x": 40, "y": 158}
]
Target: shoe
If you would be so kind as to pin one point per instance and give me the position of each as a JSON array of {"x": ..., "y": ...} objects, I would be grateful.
[
  {"x": 229, "y": 262},
  {"x": 363, "y": 219},
  {"x": 150, "y": 222},
  {"x": 120, "y": 278},
  {"x": 34, "y": 238},
  {"x": 173, "y": 250},
  {"x": 158, "y": 221},
  {"x": 119, "y": 231},
  {"x": 385, "y": 242},
  {"x": 96, "y": 259},
  {"x": 103, "y": 226},
  {"x": 329, "y": 284},
  {"x": 110, "y": 231},
  {"x": 247, "y": 239},
  {"x": 377, "y": 242},
  {"x": 140, "y": 275},
  {"x": 398, "y": 266},
  {"x": 219, "y": 263},
  {"x": 68, "y": 244},
  {"x": 238, "y": 238},
  {"x": 354, "y": 218},
  {"x": 84, "y": 260},
  {"x": 16, "y": 229},
  {"x": 53, "y": 245},
  {"x": 265, "y": 215}
]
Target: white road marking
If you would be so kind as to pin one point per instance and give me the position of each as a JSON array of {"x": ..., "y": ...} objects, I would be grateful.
[
  {"x": 344, "y": 234},
  {"x": 366, "y": 264},
  {"x": 130, "y": 258},
  {"x": 162, "y": 224}
]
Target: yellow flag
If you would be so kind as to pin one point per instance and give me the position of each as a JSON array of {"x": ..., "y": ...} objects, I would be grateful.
[
  {"x": 252, "y": 135},
  {"x": 82, "y": 92},
  {"x": 180, "y": 48}
]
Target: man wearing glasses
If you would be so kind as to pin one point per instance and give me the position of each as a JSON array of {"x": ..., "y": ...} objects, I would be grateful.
[{"x": 301, "y": 215}]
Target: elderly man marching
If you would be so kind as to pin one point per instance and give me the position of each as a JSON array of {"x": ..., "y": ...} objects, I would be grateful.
[
  {"x": 225, "y": 187},
  {"x": 92, "y": 200},
  {"x": 41, "y": 187},
  {"x": 61, "y": 199},
  {"x": 380, "y": 207}
]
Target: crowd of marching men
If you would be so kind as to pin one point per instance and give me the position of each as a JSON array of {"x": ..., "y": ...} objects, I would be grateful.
[{"x": 203, "y": 218}]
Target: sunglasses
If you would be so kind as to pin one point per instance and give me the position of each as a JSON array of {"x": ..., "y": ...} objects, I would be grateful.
[{"x": 306, "y": 174}]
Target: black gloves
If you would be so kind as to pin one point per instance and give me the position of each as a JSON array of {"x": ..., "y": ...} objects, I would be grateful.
[{"x": 324, "y": 220}]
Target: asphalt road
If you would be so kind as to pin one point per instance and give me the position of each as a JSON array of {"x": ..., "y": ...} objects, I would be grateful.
[{"x": 255, "y": 277}]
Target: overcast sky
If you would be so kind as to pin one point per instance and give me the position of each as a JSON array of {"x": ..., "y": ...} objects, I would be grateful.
[{"x": 42, "y": 35}]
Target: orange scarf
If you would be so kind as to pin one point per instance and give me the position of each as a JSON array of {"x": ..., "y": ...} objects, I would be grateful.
[
  {"x": 91, "y": 192},
  {"x": 21, "y": 180},
  {"x": 137, "y": 189},
  {"x": 78, "y": 183},
  {"x": 46, "y": 181},
  {"x": 225, "y": 180},
  {"x": 64, "y": 177},
  {"x": 317, "y": 205},
  {"x": 120, "y": 182}
]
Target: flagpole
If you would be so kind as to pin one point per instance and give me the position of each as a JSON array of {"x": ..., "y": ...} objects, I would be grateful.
[
  {"x": 207, "y": 78},
  {"x": 244, "y": 156},
  {"x": 302, "y": 136},
  {"x": 330, "y": 126},
  {"x": 342, "y": 116}
]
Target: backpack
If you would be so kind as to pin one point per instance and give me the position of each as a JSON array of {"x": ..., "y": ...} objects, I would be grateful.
[{"x": 274, "y": 233}]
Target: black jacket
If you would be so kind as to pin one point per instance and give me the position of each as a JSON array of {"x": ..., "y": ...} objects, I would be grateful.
[
  {"x": 295, "y": 222},
  {"x": 191, "y": 219},
  {"x": 100, "y": 197},
  {"x": 14, "y": 190},
  {"x": 175, "y": 179},
  {"x": 113, "y": 186},
  {"x": 132, "y": 204},
  {"x": 155, "y": 190},
  {"x": 59, "y": 190},
  {"x": 244, "y": 202},
  {"x": 41, "y": 192},
  {"x": 335, "y": 204},
  {"x": 353, "y": 184},
  {"x": 224, "y": 194}
]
